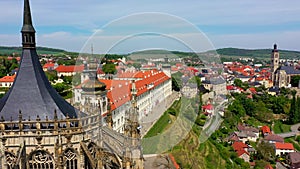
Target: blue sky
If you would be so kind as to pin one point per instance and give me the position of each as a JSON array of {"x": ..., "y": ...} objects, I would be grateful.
[{"x": 69, "y": 24}]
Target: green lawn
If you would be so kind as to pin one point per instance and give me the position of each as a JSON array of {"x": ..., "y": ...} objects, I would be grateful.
[
  {"x": 281, "y": 128},
  {"x": 294, "y": 142},
  {"x": 164, "y": 120},
  {"x": 159, "y": 126}
]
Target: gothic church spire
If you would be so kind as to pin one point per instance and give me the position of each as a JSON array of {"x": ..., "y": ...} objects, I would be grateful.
[{"x": 28, "y": 31}]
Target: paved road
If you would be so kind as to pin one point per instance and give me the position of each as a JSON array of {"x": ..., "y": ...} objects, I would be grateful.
[{"x": 294, "y": 131}]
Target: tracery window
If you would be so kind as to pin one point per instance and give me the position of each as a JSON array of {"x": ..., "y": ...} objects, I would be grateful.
[
  {"x": 10, "y": 159},
  {"x": 71, "y": 161},
  {"x": 41, "y": 160}
]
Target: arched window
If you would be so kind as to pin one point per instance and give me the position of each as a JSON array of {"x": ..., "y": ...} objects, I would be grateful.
[
  {"x": 71, "y": 160},
  {"x": 40, "y": 159}
]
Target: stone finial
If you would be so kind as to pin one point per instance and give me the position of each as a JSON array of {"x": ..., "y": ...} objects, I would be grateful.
[
  {"x": 20, "y": 116},
  {"x": 38, "y": 118},
  {"x": 55, "y": 114}
]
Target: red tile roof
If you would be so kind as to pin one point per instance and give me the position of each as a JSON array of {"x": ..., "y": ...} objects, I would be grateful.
[
  {"x": 252, "y": 90},
  {"x": 11, "y": 58},
  {"x": 284, "y": 146},
  {"x": 8, "y": 78},
  {"x": 265, "y": 129},
  {"x": 71, "y": 68},
  {"x": 208, "y": 107},
  {"x": 241, "y": 152},
  {"x": 118, "y": 92},
  {"x": 151, "y": 79},
  {"x": 48, "y": 65},
  {"x": 239, "y": 146}
]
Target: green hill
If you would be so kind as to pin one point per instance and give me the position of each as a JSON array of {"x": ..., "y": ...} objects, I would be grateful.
[
  {"x": 257, "y": 53},
  {"x": 5, "y": 51},
  {"x": 224, "y": 52}
]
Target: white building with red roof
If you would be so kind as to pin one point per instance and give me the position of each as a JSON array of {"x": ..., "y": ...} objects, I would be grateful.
[
  {"x": 242, "y": 150},
  {"x": 70, "y": 70},
  {"x": 283, "y": 148},
  {"x": 152, "y": 86},
  {"x": 7, "y": 81},
  {"x": 49, "y": 66}
]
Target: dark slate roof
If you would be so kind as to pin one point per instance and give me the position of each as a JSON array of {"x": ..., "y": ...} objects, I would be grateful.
[
  {"x": 242, "y": 76},
  {"x": 33, "y": 94},
  {"x": 274, "y": 89},
  {"x": 192, "y": 85},
  {"x": 201, "y": 75},
  {"x": 290, "y": 70},
  {"x": 218, "y": 80},
  {"x": 27, "y": 21},
  {"x": 206, "y": 82},
  {"x": 202, "y": 89},
  {"x": 255, "y": 84}
]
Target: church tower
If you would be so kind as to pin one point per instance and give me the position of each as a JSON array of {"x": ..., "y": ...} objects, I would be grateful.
[{"x": 274, "y": 61}]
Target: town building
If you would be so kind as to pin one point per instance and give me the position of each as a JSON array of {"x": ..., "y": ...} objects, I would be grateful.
[
  {"x": 40, "y": 130},
  {"x": 242, "y": 150},
  {"x": 7, "y": 81},
  {"x": 283, "y": 148},
  {"x": 70, "y": 70},
  {"x": 152, "y": 86},
  {"x": 281, "y": 73},
  {"x": 273, "y": 138},
  {"x": 294, "y": 160}
]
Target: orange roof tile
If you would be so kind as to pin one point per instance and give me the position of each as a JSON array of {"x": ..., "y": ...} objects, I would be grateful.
[
  {"x": 71, "y": 68},
  {"x": 47, "y": 65},
  {"x": 239, "y": 146},
  {"x": 118, "y": 92},
  {"x": 150, "y": 81},
  {"x": 265, "y": 129},
  {"x": 8, "y": 78},
  {"x": 284, "y": 146}
]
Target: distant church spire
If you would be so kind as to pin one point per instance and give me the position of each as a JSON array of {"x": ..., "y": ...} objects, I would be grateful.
[
  {"x": 28, "y": 31},
  {"x": 275, "y": 48}
]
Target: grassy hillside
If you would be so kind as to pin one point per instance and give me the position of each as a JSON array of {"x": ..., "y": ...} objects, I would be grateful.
[
  {"x": 224, "y": 52},
  {"x": 41, "y": 50}
]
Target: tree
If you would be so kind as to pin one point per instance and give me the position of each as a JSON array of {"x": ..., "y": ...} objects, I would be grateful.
[
  {"x": 237, "y": 108},
  {"x": 238, "y": 82},
  {"x": 60, "y": 88},
  {"x": 175, "y": 85},
  {"x": 260, "y": 164},
  {"x": 265, "y": 151},
  {"x": 109, "y": 68},
  {"x": 293, "y": 118},
  {"x": 51, "y": 75},
  {"x": 295, "y": 80}
]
